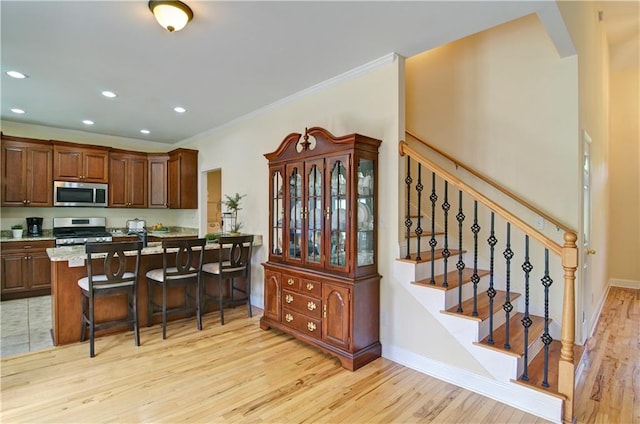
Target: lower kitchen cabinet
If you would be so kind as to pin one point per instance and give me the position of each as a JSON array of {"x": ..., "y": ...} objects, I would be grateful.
[
  {"x": 339, "y": 316},
  {"x": 25, "y": 269}
]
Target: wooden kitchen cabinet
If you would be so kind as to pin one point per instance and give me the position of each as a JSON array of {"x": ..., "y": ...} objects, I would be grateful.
[
  {"x": 26, "y": 172},
  {"x": 158, "y": 179},
  {"x": 321, "y": 279},
  {"x": 128, "y": 180},
  {"x": 183, "y": 179},
  {"x": 76, "y": 162},
  {"x": 25, "y": 269}
]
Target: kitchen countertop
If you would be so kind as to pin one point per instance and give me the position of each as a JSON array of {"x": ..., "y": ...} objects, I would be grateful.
[
  {"x": 78, "y": 253},
  {"x": 48, "y": 235}
]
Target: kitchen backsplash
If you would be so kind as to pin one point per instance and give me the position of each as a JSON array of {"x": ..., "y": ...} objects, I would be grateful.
[{"x": 116, "y": 217}]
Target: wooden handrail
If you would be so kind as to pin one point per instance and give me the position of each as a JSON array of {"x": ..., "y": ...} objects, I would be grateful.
[
  {"x": 513, "y": 219},
  {"x": 495, "y": 185}
]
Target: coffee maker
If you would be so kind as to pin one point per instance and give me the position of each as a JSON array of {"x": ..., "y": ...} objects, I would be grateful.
[{"x": 34, "y": 227}]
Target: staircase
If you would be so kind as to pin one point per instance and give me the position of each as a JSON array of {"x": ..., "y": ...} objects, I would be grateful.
[{"x": 488, "y": 278}]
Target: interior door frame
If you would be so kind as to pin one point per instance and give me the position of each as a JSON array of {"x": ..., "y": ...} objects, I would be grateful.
[{"x": 586, "y": 291}]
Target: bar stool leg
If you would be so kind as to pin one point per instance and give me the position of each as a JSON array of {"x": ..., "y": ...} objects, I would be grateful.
[
  {"x": 164, "y": 311},
  {"x": 91, "y": 328}
]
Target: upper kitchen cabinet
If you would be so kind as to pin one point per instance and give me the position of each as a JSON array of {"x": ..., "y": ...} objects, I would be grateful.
[
  {"x": 26, "y": 172},
  {"x": 127, "y": 180},
  {"x": 183, "y": 179},
  {"x": 158, "y": 194},
  {"x": 75, "y": 162}
]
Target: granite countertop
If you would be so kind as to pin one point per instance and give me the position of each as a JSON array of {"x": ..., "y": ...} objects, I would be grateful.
[
  {"x": 78, "y": 253},
  {"x": 115, "y": 232}
]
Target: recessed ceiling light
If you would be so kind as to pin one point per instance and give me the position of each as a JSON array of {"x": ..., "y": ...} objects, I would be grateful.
[
  {"x": 88, "y": 122},
  {"x": 180, "y": 109},
  {"x": 145, "y": 131},
  {"x": 16, "y": 74},
  {"x": 18, "y": 111},
  {"x": 109, "y": 94}
]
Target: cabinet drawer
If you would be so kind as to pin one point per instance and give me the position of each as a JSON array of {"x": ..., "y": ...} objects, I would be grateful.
[
  {"x": 291, "y": 283},
  {"x": 302, "y": 323},
  {"x": 311, "y": 288},
  {"x": 301, "y": 303}
]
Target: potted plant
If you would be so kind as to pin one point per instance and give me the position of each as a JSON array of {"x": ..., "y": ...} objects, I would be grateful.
[
  {"x": 233, "y": 206},
  {"x": 16, "y": 230},
  {"x": 235, "y": 228}
]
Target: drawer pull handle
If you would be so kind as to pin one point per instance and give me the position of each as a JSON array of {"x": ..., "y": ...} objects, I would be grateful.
[
  {"x": 311, "y": 305},
  {"x": 290, "y": 281},
  {"x": 324, "y": 308},
  {"x": 309, "y": 286},
  {"x": 288, "y": 317},
  {"x": 311, "y": 326},
  {"x": 288, "y": 298}
]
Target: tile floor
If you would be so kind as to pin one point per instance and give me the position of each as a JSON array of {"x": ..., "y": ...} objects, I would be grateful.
[{"x": 25, "y": 325}]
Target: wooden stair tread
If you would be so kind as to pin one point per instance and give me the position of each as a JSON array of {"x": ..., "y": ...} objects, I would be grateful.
[
  {"x": 452, "y": 279},
  {"x": 483, "y": 305},
  {"x": 516, "y": 335},
  {"x": 426, "y": 256},
  {"x": 536, "y": 368}
]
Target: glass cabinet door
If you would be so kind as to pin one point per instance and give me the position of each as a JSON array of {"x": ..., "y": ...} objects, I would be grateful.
[
  {"x": 314, "y": 212},
  {"x": 365, "y": 204},
  {"x": 295, "y": 212},
  {"x": 338, "y": 212},
  {"x": 277, "y": 213}
]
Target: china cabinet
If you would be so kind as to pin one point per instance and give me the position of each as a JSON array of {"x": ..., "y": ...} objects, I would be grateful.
[{"x": 321, "y": 279}]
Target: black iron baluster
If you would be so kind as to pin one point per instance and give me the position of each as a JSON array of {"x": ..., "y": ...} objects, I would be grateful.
[
  {"x": 491, "y": 292},
  {"x": 445, "y": 252},
  {"x": 508, "y": 307},
  {"x": 460, "y": 264},
  {"x": 419, "y": 188},
  {"x": 407, "y": 222},
  {"x": 433, "y": 242},
  {"x": 546, "y": 337},
  {"x": 475, "y": 279},
  {"x": 526, "y": 320}
]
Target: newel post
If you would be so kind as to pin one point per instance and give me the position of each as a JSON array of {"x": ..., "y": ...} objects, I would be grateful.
[{"x": 566, "y": 371}]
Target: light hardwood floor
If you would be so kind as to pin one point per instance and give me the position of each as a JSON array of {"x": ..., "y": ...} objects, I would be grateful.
[{"x": 239, "y": 373}]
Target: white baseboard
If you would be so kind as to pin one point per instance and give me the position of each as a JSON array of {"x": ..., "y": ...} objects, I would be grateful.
[
  {"x": 528, "y": 400},
  {"x": 629, "y": 284}
]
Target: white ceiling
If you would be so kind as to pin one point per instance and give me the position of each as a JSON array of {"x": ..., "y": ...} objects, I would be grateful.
[{"x": 232, "y": 59}]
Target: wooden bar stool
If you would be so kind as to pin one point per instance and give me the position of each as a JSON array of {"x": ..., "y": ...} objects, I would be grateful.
[
  {"x": 114, "y": 281},
  {"x": 183, "y": 271},
  {"x": 234, "y": 262}
]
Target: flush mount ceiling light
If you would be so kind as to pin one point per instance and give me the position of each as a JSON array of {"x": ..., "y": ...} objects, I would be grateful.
[
  {"x": 172, "y": 15},
  {"x": 16, "y": 74}
]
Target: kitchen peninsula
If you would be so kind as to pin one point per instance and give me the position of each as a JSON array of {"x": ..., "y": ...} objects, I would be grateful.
[{"x": 68, "y": 264}]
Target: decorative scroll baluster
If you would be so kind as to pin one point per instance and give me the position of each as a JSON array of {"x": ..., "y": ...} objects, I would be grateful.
[
  {"x": 546, "y": 337},
  {"x": 419, "y": 188},
  {"x": 491, "y": 292},
  {"x": 460, "y": 264},
  {"x": 508, "y": 307},
  {"x": 407, "y": 222},
  {"x": 445, "y": 252},
  {"x": 526, "y": 320},
  {"x": 433, "y": 242},
  {"x": 475, "y": 279}
]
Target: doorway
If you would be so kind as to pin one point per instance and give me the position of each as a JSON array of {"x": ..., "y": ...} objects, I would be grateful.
[{"x": 214, "y": 201}]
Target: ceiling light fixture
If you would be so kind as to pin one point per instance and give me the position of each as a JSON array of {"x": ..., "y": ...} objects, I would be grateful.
[
  {"x": 171, "y": 15},
  {"x": 109, "y": 94},
  {"x": 180, "y": 109},
  {"x": 88, "y": 122},
  {"x": 16, "y": 74},
  {"x": 145, "y": 131},
  {"x": 18, "y": 111}
]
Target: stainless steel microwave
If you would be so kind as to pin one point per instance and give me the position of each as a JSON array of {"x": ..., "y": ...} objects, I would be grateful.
[{"x": 67, "y": 193}]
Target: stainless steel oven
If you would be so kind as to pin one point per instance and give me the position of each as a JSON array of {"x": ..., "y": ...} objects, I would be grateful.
[{"x": 66, "y": 193}]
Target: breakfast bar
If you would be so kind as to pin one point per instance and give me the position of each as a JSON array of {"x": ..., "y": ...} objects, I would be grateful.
[{"x": 68, "y": 265}]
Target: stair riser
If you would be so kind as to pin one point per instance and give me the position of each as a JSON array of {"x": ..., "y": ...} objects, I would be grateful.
[{"x": 423, "y": 269}]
